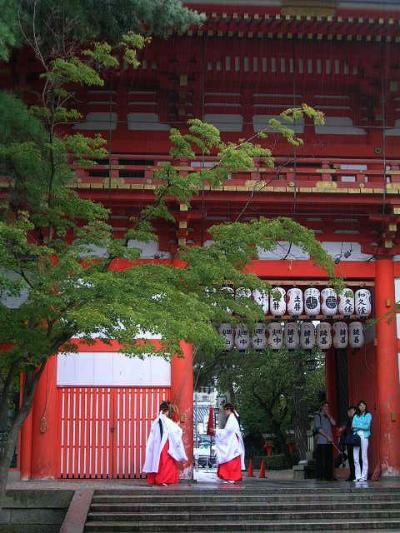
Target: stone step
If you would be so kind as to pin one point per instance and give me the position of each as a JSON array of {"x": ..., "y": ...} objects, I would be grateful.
[
  {"x": 162, "y": 498},
  {"x": 233, "y": 508},
  {"x": 232, "y": 526},
  {"x": 265, "y": 516},
  {"x": 337, "y": 488}
]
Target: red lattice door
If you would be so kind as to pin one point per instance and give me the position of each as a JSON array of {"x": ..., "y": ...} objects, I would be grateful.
[{"x": 104, "y": 429}]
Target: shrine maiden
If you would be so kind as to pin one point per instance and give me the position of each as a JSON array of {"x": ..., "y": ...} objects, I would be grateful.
[
  {"x": 229, "y": 447},
  {"x": 164, "y": 450}
]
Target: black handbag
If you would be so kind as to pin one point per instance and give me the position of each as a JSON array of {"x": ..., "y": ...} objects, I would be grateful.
[{"x": 353, "y": 439}]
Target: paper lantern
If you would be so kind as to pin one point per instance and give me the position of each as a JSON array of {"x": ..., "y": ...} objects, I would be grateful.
[
  {"x": 312, "y": 304},
  {"x": 307, "y": 335},
  {"x": 340, "y": 335},
  {"x": 329, "y": 302},
  {"x": 243, "y": 292},
  {"x": 229, "y": 293},
  {"x": 242, "y": 337},
  {"x": 277, "y": 301},
  {"x": 292, "y": 338},
  {"x": 362, "y": 301},
  {"x": 226, "y": 331},
  {"x": 275, "y": 335},
  {"x": 356, "y": 335},
  {"x": 324, "y": 336},
  {"x": 295, "y": 303},
  {"x": 346, "y": 302},
  {"x": 259, "y": 339},
  {"x": 262, "y": 299}
]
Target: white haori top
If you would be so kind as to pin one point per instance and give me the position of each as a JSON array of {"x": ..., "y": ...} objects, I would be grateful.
[
  {"x": 171, "y": 432},
  {"x": 229, "y": 442}
]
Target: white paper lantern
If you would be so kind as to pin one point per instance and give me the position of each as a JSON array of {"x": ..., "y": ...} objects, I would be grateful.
[
  {"x": 295, "y": 303},
  {"x": 346, "y": 302},
  {"x": 277, "y": 301},
  {"x": 229, "y": 293},
  {"x": 329, "y": 302},
  {"x": 275, "y": 335},
  {"x": 324, "y": 336},
  {"x": 340, "y": 335},
  {"x": 362, "y": 300},
  {"x": 262, "y": 299},
  {"x": 312, "y": 304},
  {"x": 243, "y": 292},
  {"x": 242, "y": 337},
  {"x": 292, "y": 338},
  {"x": 307, "y": 335},
  {"x": 226, "y": 331},
  {"x": 356, "y": 335},
  {"x": 259, "y": 339}
]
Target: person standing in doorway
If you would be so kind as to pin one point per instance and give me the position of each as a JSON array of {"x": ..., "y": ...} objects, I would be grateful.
[
  {"x": 164, "y": 450},
  {"x": 323, "y": 423},
  {"x": 229, "y": 447},
  {"x": 347, "y": 431},
  {"x": 361, "y": 425}
]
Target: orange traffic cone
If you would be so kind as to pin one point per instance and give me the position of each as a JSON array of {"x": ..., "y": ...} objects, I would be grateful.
[
  {"x": 250, "y": 468},
  {"x": 262, "y": 469}
]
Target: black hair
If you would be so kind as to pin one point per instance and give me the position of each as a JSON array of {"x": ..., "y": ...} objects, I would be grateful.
[
  {"x": 352, "y": 407},
  {"x": 231, "y": 407},
  {"x": 164, "y": 406},
  {"x": 366, "y": 407}
]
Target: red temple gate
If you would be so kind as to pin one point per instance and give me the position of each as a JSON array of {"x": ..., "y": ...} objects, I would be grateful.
[{"x": 248, "y": 63}]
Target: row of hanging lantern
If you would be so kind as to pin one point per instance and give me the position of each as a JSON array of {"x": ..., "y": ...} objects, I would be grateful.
[
  {"x": 294, "y": 335},
  {"x": 311, "y": 302}
]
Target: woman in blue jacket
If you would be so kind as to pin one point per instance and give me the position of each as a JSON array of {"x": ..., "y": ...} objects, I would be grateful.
[{"x": 361, "y": 425}]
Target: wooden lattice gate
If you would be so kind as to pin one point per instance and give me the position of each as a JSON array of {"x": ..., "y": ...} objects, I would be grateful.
[{"x": 104, "y": 429}]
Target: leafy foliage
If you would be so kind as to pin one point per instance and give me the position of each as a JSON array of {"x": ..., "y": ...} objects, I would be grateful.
[
  {"x": 263, "y": 386},
  {"x": 62, "y": 27},
  {"x": 9, "y": 29}
]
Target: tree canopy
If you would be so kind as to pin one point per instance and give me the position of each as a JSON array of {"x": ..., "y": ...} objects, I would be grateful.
[
  {"x": 266, "y": 386},
  {"x": 62, "y": 27}
]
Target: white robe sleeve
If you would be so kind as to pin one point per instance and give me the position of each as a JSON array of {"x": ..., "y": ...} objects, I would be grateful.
[
  {"x": 176, "y": 448},
  {"x": 154, "y": 446},
  {"x": 229, "y": 442}
]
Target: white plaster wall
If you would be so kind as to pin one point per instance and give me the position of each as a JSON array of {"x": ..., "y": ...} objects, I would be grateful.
[{"x": 112, "y": 369}]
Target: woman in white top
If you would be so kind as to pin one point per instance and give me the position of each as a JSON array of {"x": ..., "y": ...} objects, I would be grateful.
[
  {"x": 229, "y": 447},
  {"x": 361, "y": 424}
]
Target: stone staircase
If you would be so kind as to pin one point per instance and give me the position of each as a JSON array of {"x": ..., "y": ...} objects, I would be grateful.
[{"x": 245, "y": 508}]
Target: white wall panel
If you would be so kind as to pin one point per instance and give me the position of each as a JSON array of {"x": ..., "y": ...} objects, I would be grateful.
[{"x": 112, "y": 369}]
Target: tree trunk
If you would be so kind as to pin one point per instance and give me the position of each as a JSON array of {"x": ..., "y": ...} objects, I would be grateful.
[
  {"x": 32, "y": 378},
  {"x": 6, "y": 393},
  {"x": 300, "y": 421},
  {"x": 281, "y": 438}
]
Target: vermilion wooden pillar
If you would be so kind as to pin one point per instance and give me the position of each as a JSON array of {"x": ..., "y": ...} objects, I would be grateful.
[
  {"x": 387, "y": 430},
  {"x": 46, "y": 425},
  {"x": 182, "y": 394}
]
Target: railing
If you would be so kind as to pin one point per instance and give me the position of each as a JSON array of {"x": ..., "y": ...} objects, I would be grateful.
[{"x": 123, "y": 170}]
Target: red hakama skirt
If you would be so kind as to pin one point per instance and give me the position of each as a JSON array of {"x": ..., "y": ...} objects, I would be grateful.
[
  {"x": 167, "y": 470},
  {"x": 231, "y": 471}
]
